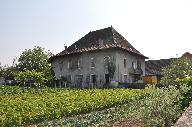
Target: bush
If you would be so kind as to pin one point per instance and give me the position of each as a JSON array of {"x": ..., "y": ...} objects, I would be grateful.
[
  {"x": 161, "y": 108},
  {"x": 34, "y": 78},
  {"x": 188, "y": 94},
  {"x": 180, "y": 68},
  {"x": 10, "y": 90}
]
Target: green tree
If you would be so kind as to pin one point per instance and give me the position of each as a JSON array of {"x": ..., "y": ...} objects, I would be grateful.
[
  {"x": 7, "y": 72},
  {"x": 111, "y": 69},
  {"x": 179, "y": 69},
  {"x": 1, "y": 70},
  {"x": 36, "y": 59}
]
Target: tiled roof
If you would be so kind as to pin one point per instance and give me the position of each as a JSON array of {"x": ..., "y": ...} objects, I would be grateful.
[
  {"x": 97, "y": 40},
  {"x": 154, "y": 67},
  {"x": 187, "y": 55}
]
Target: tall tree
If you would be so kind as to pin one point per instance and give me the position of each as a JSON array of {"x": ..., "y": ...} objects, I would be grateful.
[{"x": 35, "y": 59}]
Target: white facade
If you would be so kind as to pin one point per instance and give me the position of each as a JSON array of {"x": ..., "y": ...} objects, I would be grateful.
[{"x": 89, "y": 69}]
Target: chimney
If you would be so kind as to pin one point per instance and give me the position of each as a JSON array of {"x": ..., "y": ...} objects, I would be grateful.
[{"x": 65, "y": 48}]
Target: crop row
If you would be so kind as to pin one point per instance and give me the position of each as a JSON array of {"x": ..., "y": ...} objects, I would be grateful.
[
  {"x": 159, "y": 109},
  {"x": 33, "y": 107}
]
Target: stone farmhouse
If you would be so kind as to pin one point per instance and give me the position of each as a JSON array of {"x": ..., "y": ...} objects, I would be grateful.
[{"x": 86, "y": 62}]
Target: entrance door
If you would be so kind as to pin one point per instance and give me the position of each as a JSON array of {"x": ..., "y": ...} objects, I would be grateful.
[
  {"x": 93, "y": 80},
  {"x": 79, "y": 80},
  {"x": 107, "y": 78}
]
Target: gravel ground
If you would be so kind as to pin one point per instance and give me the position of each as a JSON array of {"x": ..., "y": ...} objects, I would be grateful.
[
  {"x": 186, "y": 119},
  {"x": 127, "y": 123}
]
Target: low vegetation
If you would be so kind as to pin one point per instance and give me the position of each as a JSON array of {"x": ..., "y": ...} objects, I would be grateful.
[
  {"x": 161, "y": 107},
  {"x": 34, "y": 106}
]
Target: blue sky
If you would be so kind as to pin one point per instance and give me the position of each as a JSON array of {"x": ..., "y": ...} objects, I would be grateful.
[{"x": 158, "y": 29}]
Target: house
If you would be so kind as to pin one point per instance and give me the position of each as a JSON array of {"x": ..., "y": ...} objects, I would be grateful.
[
  {"x": 187, "y": 55},
  {"x": 153, "y": 68},
  {"x": 98, "y": 58}
]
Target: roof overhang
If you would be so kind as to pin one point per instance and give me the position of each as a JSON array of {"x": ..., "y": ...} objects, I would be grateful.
[{"x": 93, "y": 50}]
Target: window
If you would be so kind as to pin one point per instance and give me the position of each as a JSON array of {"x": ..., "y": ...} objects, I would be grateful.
[
  {"x": 125, "y": 78},
  {"x": 69, "y": 78},
  {"x": 69, "y": 64},
  {"x": 125, "y": 62},
  {"x": 93, "y": 79},
  {"x": 92, "y": 63},
  {"x": 78, "y": 63},
  {"x": 138, "y": 64},
  {"x": 106, "y": 60},
  {"x": 79, "y": 80},
  {"x": 61, "y": 66},
  {"x": 134, "y": 64}
]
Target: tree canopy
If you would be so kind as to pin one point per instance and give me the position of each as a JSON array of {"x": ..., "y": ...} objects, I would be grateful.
[{"x": 35, "y": 59}]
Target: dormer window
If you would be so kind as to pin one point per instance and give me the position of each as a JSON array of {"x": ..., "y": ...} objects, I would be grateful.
[{"x": 100, "y": 42}]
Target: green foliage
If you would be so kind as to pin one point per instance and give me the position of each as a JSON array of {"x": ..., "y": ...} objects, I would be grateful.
[
  {"x": 160, "y": 108},
  {"x": 111, "y": 69},
  {"x": 1, "y": 70},
  {"x": 8, "y": 72},
  {"x": 187, "y": 95},
  {"x": 180, "y": 68},
  {"x": 24, "y": 77},
  {"x": 34, "y": 107},
  {"x": 5, "y": 90},
  {"x": 35, "y": 59},
  {"x": 150, "y": 107}
]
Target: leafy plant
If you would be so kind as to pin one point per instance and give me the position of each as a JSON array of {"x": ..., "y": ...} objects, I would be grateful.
[
  {"x": 111, "y": 69},
  {"x": 36, "y": 59},
  {"x": 37, "y": 78},
  {"x": 33, "y": 107},
  {"x": 160, "y": 108},
  {"x": 187, "y": 94},
  {"x": 180, "y": 68}
]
